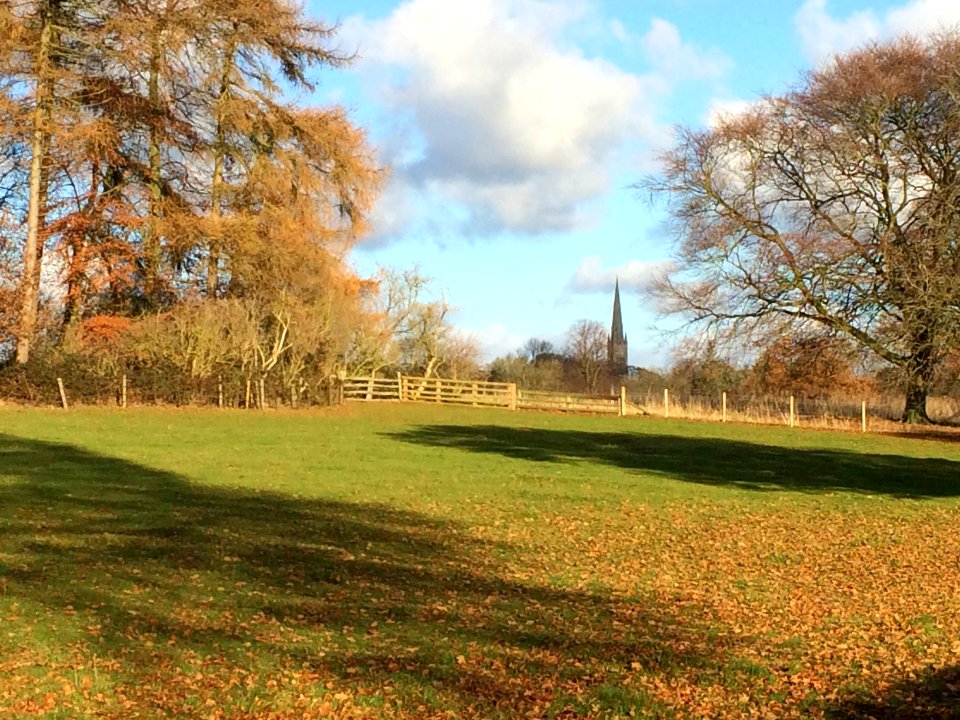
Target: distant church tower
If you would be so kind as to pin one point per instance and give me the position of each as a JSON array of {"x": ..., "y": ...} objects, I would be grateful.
[{"x": 617, "y": 344}]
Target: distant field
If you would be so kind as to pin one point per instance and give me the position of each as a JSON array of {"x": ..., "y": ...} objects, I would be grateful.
[{"x": 417, "y": 562}]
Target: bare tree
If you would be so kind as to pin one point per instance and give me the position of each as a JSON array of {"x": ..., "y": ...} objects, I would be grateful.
[
  {"x": 832, "y": 206},
  {"x": 534, "y": 348},
  {"x": 587, "y": 350}
]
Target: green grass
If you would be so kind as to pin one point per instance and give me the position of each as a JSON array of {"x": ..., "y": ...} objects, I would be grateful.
[{"x": 411, "y": 561}]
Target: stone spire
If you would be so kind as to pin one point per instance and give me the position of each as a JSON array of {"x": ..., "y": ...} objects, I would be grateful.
[{"x": 617, "y": 344}]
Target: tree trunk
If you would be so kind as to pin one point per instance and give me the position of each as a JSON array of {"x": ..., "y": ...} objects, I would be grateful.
[
  {"x": 216, "y": 186},
  {"x": 920, "y": 371},
  {"x": 915, "y": 408},
  {"x": 152, "y": 251},
  {"x": 36, "y": 210}
]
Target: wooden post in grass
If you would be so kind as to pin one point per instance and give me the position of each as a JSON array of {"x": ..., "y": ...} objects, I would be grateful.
[
  {"x": 512, "y": 395},
  {"x": 863, "y": 416},
  {"x": 63, "y": 394},
  {"x": 792, "y": 410},
  {"x": 666, "y": 403},
  {"x": 438, "y": 388},
  {"x": 123, "y": 390},
  {"x": 263, "y": 394},
  {"x": 220, "y": 392},
  {"x": 723, "y": 416},
  {"x": 399, "y": 387},
  {"x": 623, "y": 401},
  {"x": 246, "y": 400}
]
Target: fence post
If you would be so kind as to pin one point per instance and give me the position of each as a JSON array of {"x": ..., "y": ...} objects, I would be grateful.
[
  {"x": 263, "y": 394},
  {"x": 438, "y": 388},
  {"x": 399, "y": 387},
  {"x": 623, "y": 401},
  {"x": 63, "y": 394},
  {"x": 792, "y": 409},
  {"x": 246, "y": 399},
  {"x": 666, "y": 403},
  {"x": 863, "y": 416},
  {"x": 724, "y": 411},
  {"x": 123, "y": 391},
  {"x": 512, "y": 393},
  {"x": 220, "y": 391}
]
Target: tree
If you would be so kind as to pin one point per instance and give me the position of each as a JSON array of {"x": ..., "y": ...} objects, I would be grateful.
[
  {"x": 587, "y": 350},
  {"x": 814, "y": 366},
  {"x": 402, "y": 330},
  {"x": 700, "y": 371},
  {"x": 832, "y": 206},
  {"x": 535, "y": 348}
]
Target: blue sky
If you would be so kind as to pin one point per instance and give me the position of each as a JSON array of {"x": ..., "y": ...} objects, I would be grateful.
[{"x": 515, "y": 130}]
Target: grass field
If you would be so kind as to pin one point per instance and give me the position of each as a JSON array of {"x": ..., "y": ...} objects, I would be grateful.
[{"x": 420, "y": 562}]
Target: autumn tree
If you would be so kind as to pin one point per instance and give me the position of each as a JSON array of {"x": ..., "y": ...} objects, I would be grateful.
[
  {"x": 833, "y": 206},
  {"x": 814, "y": 366},
  {"x": 46, "y": 44},
  {"x": 587, "y": 351},
  {"x": 402, "y": 329},
  {"x": 701, "y": 371},
  {"x": 149, "y": 146}
]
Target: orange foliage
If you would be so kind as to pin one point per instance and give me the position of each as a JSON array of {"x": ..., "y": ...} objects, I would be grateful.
[
  {"x": 809, "y": 366},
  {"x": 101, "y": 330}
]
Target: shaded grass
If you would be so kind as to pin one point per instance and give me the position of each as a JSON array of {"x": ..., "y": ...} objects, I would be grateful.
[{"x": 410, "y": 562}]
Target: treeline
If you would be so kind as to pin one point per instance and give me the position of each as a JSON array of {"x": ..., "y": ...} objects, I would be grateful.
[
  {"x": 167, "y": 210},
  {"x": 815, "y": 368}
]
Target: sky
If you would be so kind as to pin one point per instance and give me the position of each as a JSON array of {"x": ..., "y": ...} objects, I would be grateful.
[{"x": 517, "y": 132}]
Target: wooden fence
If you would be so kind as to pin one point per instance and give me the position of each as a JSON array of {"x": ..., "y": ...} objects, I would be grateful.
[
  {"x": 437, "y": 390},
  {"x": 369, "y": 388},
  {"x": 476, "y": 393},
  {"x": 569, "y": 402}
]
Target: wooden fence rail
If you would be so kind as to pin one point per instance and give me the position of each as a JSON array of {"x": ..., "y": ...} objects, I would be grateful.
[
  {"x": 458, "y": 392},
  {"x": 370, "y": 388},
  {"x": 569, "y": 402},
  {"x": 477, "y": 393}
]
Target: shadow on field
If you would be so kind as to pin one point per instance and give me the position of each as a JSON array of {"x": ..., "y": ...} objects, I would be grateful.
[
  {"x": 932, "y": 696},
  {"x": 711, "y": 461},
  {"x": 185, "y": 592}
]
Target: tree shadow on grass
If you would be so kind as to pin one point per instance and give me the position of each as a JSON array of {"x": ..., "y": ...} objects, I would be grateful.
[
  {"x": 710, "y": 461},
  {"x": 186, "y": 594},
  {"x": 934, "y": 695}
]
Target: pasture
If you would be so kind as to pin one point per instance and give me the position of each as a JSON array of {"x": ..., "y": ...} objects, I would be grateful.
[{"x": 419, "y": 562}]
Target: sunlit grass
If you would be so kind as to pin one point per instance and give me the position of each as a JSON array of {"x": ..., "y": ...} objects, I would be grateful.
[{"x": 404, "y": 561}]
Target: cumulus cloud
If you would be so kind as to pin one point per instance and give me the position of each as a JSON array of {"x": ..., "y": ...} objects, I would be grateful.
[
  {"x": 720, "y": 110},
  {"x": 822, "y": 34},
  {"x": 636, "y": 275},
  {"x": 494, "y": 340},
  {"x": 676, "y": 59},
  {"x": 512, "y": 120}
]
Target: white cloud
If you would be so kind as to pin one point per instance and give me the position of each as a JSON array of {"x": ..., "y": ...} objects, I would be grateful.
[
  {"x": 823, "y": 35},
  {"x": 720, "y": 110},
  {"x": 679, "y": 60},
  {"x": 635, "y": 275},
  {"x": 511, "y": 120},
  {"x": 495, "y": 340},
  {"x": 395, "y": 210}
]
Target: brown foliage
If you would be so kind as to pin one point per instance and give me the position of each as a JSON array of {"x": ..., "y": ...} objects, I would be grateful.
[{"x": 810, "y": 366}]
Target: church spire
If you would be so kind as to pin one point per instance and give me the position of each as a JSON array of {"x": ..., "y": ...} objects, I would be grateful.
[
  {"x": 617, "y": 344},
  {"x": 616, "y": 327}
]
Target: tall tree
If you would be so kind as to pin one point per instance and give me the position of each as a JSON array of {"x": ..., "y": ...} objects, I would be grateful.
[
  {"x": 836, "y": 205},
  {"x": 587, "y": 350}
]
